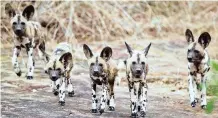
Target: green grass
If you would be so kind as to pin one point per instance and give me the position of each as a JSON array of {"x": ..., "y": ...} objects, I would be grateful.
[{"x": 212, "y": 88}]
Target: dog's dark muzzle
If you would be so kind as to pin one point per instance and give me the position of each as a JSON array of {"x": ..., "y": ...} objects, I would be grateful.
[
  {"x": 96, "y": 73},
  {"x": 54, "y": 78},
  {"x": 194, "y": 60},
  {"x": 19, "y": 32},
  {"x": 189, "y": 59},
  {"x": 137, "y": 73}
]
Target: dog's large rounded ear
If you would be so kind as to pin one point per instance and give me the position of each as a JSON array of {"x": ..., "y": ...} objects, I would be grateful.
[
  {"x": 106, "y": 53},
  {"x": 129, "y": 49},
  {"x": 204, "y": 39},
  {"x": 147, "y": 49},
  {"x": 28, "y": 12},
  {"x": 67, "y": 58},
  {"x": 189, "y": 36},
  {"x": 87, "y": 51},
  {"x": 9, "y": 10}
]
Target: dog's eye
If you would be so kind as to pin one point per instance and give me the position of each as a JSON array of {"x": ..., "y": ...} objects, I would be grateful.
[
  {"x": 92, "y": 64},
  {"x": 58, "y": 69},
  {"x": 22, "y": 23},
  {"x": 196, "y": 51},
  {"x": 101, "y": 65},
  {"x": 14, "y": 23},
  {"x": 49, "y": 69},
  {"x": 143, "y": 63},
  {"x": 133, "y": 62}
]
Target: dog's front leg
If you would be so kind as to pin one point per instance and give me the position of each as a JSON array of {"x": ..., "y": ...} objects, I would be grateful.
[
  {"x": 15, "y": 63},
  {"x": 62, "y": 92},
  {"x": 191, "y": 89},
  {"x": 103, "y": 98},
  {"x": 133, "y": 97},
  {"x": 203, "y": 91},
  {"x": 94, "y": 100},
  {"x": 111, "y": 99},
  {"x": 55, "y": 85},
  {"x": 70, "y": 87},
  {"x": 31, "y": 63},
  {"x": 143, "y": 98}
]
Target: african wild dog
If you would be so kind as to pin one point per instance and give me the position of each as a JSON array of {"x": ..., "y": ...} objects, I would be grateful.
[
  {"x": 27, "y": 35},
  {"x": 198, "y": 63},
  {"x": 103, "y": 71},
  {"x": 136, "y": 70},
  {"x": 59, "y": 69}
]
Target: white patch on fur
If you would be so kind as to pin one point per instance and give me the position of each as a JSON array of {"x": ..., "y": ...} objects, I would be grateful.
[
  {"x": 94, "y": 105},
  {"x": 14, "y": 60},
  {"x": 30, "y": 62},
  {"x": 191, "y": 89},
  {"x": 112, "y": 103},
  {"x": 62, "y": 90},
  {"x": 143, "y": 98},
  {"x": 103, "y": 97},
  {"x": 133, "y": 98},
  {"x": 203, "y": 91},
  {"x": 70, "y": 87}
]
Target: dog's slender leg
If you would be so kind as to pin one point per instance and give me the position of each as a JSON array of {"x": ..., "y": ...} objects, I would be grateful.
[
  {"x": 133, "y": 97},
  {"x": 29, "y": 49},
  {"x": 14, "y": 60},
  {"x": 103, "y": 98},
  {"x": 194, "y": 84},
  {"x": 143, "y": 98},
  {"x": 191, "y": 90},
  {"x": 42, "y": 52},
  {"x": 111, "y": 92},
  {"x": 94, "y": 100},
  {"x": 62, "y": 92},
  {"x": 55, "y": 85},
  {"x": 54, "y": 88},
  {"x": 70, "y": 87},
  {"x": 203, "y": 92}
]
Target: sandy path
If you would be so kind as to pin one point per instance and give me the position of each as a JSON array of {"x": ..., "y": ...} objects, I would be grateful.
[{"x": 33, "y": 98}]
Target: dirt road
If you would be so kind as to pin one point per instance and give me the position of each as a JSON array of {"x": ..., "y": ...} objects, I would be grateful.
[{"x": 33, "y": 98}]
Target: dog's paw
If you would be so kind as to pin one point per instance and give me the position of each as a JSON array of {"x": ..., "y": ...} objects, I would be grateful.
[
  {"x": 142, "y": 113},
  {"x": 193, "y": 104},
  {"x": 94, "y": 110},
  {"x": 134, "y": 115},
  {"x": 70, "y": 94},
  {"x": 19, "y": 73},
  {"x": 55, "y": 93},
  {"x": 101, "y": 111},
  {"x": 111, "y": 108},
  {"x": 29, "y": 77},
  {"x": 62, "y": 103},
  {"x": 203, "y": 106}
]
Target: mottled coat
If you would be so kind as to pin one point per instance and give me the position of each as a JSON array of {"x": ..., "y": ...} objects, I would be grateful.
[
  {"x": 136, "y": 71},
  {"x": 27, "y": 34},
  {"x": 198, "y": 63},
  {"x": 59, "y": 68},
  {"x": 103, "y": 71}
]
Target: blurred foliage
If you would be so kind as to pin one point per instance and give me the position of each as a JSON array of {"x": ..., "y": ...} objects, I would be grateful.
[
  {"x": 212, "y": 88},
  {"x": 210, "y": 105}
]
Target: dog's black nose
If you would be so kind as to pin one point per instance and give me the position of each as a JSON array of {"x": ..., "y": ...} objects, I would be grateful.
[
  {"x": 138, "y": 71},
  {"x": 95, "y": 73},
  {"x": 54, "y": 78},
  {"x": 189, "y": 59},
  {"x": 18, "y": 31}
]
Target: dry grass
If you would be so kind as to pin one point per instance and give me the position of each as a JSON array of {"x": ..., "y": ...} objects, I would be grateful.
[{"x": 108, "y": 21}]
